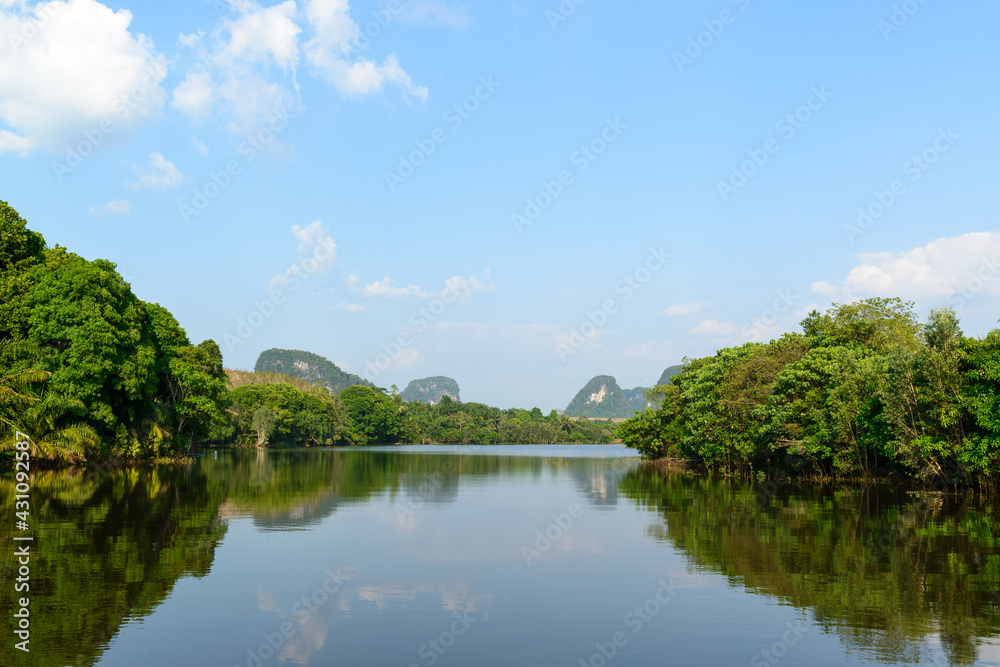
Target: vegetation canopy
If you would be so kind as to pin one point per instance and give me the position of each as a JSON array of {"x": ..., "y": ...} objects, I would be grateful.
[{"x": 864, "y": 391}]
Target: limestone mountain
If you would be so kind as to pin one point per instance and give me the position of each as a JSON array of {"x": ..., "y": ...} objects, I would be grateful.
[
  {"x": 637, "y": 400},
  {"x": 309, "y": 367},
  {"x": 602, "y": 398},
  {"x": 431, "y": 390},
  {"x": 670, "y": 372}
]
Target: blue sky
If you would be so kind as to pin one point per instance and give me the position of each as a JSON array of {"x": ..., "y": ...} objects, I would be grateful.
[{"x": 519, "y": 195}]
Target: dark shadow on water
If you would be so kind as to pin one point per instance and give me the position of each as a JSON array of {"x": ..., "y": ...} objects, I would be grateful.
[{"x": 884, "y": 569}]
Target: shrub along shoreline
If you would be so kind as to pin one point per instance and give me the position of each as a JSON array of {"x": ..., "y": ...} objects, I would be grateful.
[{"x": 863, "y": 392}]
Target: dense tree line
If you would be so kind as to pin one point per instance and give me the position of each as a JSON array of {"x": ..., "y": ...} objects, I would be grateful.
[
  {"x": 87, "y": 368},
  {"x": 90, "y": 371},
  {"x": 452, "y": 422},
  {"x": 864, "y": 390}
]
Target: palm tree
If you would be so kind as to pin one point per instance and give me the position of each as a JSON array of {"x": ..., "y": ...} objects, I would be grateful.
[
  {"x": 42, "y": 423},
  {"x": 12, "y": 400},
  {"x": 14, "y": 394}
]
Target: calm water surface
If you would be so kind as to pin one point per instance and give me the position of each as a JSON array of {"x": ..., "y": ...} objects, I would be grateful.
[{"x": 519, "y": 555}]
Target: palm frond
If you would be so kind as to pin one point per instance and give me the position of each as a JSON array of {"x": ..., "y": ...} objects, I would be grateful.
[
  {"x": 70, "y": 443},
  {"x": 24, "y": 378}
]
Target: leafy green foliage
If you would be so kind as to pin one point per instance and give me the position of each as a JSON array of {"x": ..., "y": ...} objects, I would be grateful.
[
  {"x": 19, "y": 246},
  {"x": 72, "y": 330},
  {"x": 283, "y": 416},
  {"x": 50, "y": 434},
  {"x": 476, "y": 423},
  {"x": 375, "y": 418},
  {"x": 865, "y": 391},
  {"x": 198, "y": 387}
]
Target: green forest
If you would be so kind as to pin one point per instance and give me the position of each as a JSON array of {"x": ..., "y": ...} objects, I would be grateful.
[
  {"x": 865, "y": 390},
  {"x": 88, "y": 371}
]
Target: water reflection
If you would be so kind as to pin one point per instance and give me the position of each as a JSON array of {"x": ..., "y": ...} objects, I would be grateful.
[
  {"x": 890, "y": 573},
  {"x": 362, "y": 541},
  {"x": 108, "y": 546}
]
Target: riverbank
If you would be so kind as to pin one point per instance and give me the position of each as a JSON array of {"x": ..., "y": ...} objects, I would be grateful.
[{"x": 864, "y": 392}]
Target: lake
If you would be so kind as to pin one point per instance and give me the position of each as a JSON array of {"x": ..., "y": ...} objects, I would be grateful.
[{"x": 500, "y": 555}]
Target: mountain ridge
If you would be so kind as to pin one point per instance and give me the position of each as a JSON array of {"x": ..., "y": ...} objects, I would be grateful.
[
  {"x": 431, "y": 390},
  {"x": 602, "y": 397},
  {"x": 309, "y": 367}
]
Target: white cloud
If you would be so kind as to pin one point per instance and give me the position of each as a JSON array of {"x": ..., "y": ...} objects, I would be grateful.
[
  {"x": 329, "y": 52},
  {"x": 933, "y": 270},
  {"x": 316, "y": 242},
  {"x": 406, "y": 358},
  {"x": 765, "y": 328},
  {"x": 457, "y": 289},
  {"x": 264, "y": 35},
  {"x": 159, "y": 175},
  {"x": 115, "y": 206},
  {"x": 190, "y": 41},
  {"x": 714, "y": 328},
  {"x": 332, "y": 25},
  {"x": 200, "y": 147},
  {"x": 824, "y": 288},
  {"x": 684, "y": 309},
  {"x": 430, "y": 12},
  {"x": 662, "y": 351},
  {"x": 384, "y": 288},
  {"x": 350, "y": 307},
  {"x": 461, "y": 287},
  {"x": 194, "y": 95},
  {"x": 246, "y": 70},
  {"x": 317, "y": 254},
  {"x": 574, "y": 341},
  {"x": 67, "y": 66},
  {"x": 363, "y": 77},
  {"x": 235, "y": 75}
]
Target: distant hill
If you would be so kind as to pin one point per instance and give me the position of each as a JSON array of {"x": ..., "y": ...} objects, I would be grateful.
[
  {"x": 431, "y": 390},
  {"x": 669, "y": 373},
  {"x": 637, "y": 401},
  {"x": 636, "y": 398},
  {"x": 307, "y": 366},
  {"x": 242, "y": 378},
  {"x": 602, "y": 398}
]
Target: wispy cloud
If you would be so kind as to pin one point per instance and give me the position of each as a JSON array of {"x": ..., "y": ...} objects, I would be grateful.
[
  {"x": 714, "y": 328},
  {"x": 350, "y": 307},
  {"x": 113, "y": 207},
  {"x": 431, "y": 12},
  {"x": 317, "y": 254},
  {"x": 159, "y": 174},
  {"x": 685, "y": 309},
  {"x": 200, "y": 147},
  {"x": 385, "y": 288},
  {"x": 457, "y": 288},
  {"x": 248, "y": 67}
]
